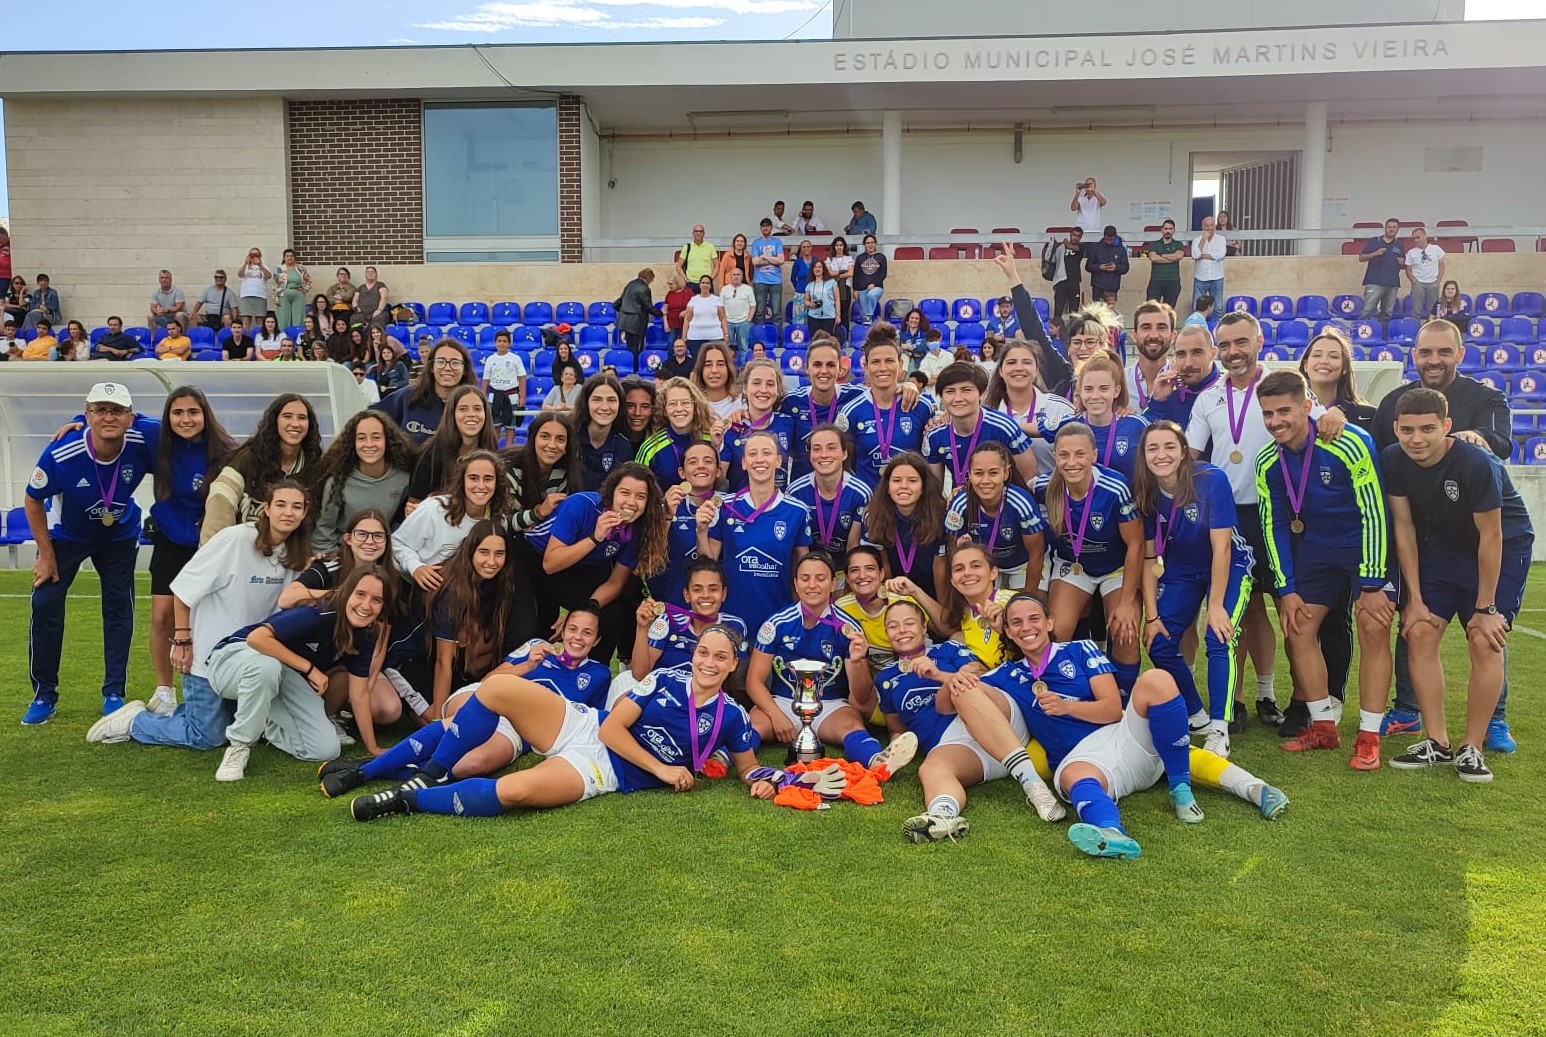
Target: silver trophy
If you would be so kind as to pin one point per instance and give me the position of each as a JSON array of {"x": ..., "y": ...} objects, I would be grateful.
[{"x": 809, "y": 679}]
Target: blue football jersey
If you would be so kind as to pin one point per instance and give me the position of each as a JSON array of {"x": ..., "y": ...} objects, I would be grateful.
[
  {"x": 573, "y": 521},
  {"x": 911, "y": 697},
  {"x": 878, "y": 435},
  {"x": 1188, "y": 545},
  {"x": 758, "y": 556},
  {"x": 1068, "y": 674},
  {"x": 1003, "y": 530},
  {"x": 662, "y": 728},
  {"x": 784, "y": 635},
  {"x": 837, "y": 516},
  {"x": 587, "y": 682},
  {"x": 69, "y": 470},
  {"x": 672, "y": 634},
  {"x": 1109, "y": 504}
]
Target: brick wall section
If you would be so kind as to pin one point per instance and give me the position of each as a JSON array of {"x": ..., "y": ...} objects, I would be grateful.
[
  {"x": 571, "y": 240},
  {"x": 356, "y": 181}
]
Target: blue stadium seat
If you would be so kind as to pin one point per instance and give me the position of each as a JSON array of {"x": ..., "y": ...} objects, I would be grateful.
[
  {"x": 569, "y": 313},
  {"x": 858, "y": 331},
  {"x": 486, "y": 336},
  {"x": 15, "y": 530},
  {"x": 1527, "y": 387},
  {"x": 1529, "y": 304},
  {"x": 590, "y": 361},
  {"x": 202, "y": 335},
  {"x": 1043, "y": 309},
  {"x": 1402, "y": 330},
  {"x": 1277, "y": 307},
  {"x": 473, "y": 313},
  {"x": 655, "y": 337},
  {"x": 139, "y": 334},
  {"x": 796, "y": 336},
  {"x": 537, "y": 390},
  {"x": 402, "y": 332},
  {"x": 536, "y": 314},
  {"x": 1516, "y": 329},
  {"x": 971, "y": 335},
  {"x": 792, "y": 361},
  {"x": 1292, "y": 334},
  {"x": 463, "y": 334},
  {"x": 1269, "y": 332},
  {"x": 1368, "y": 332},
  {"x": 1535, "y": 451},
  {"x": 767, "y": 334},
  {"x": 542, "y": 360},
  {"x": 1275, "y": 353},
  {"x": 521, "y": 335},
  {"x": 419, "y": 313},
  {"x": 1504, "y": 358},
  {"x": 97, "y": 335},
  {"x": 1482, "y": 330},
  {"x": 155, "y": 336},
  {"x": 440, "y": 313},
  {"x": 1347, "y": 306},
  {"x": 592, "y": 337},
  {"x": 966, "y": 311},
  {"x": 1241, "y": 302},
  {"x": 1312, "y": 307},
  {"x": 1535, "y": 357},
  {"x": 601, "y": 313},
  {"x": 505, "y": 313},
  {"x": 650, "y": 360},
  {"x": 1388, "y": 352},
  {"x": 1472, "y": 359},
  {"x": 1492, "y": 304},
  {"x": 1328, "y": 325},
  {"x": 934, "y": 310},
  {"x": 208, "y": 355}
]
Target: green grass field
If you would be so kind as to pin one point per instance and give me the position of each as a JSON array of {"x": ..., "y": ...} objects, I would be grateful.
[{"x": 140, "y": 897}]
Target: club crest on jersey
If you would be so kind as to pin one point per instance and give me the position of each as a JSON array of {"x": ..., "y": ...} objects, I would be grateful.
[
  {"x": 1122, "y": 448},
  {"x": 198, "y": 482},
  {"x": 659, "y": 628},
  {"x": 1097, "y": 520},
  {"x": 1191, "y": 512},
  {"x": 582, "y": 681},
  {"x": 1451, "y": 489},
  {"x": 1067, "y": 669},
  {"x": 1325, "y": 476},
  {"x": 607, "y": 461},
  {"x": 780, "y": 528},
  {"x": 905, "y": 422}
]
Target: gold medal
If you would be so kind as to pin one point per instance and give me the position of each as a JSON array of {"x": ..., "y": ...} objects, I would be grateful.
[
  {"x": 108, "y": 518},
  {"x": 850, "y": 631},
  {"x": 1076, "y": 570},
  {"x": 686, "y": 487},
  {"x": 1296, "y": 526},
  {"x": 659, "y": 607},
  {"x": 905, "y": 665},
  {"x": 1039, "y": 688},
  {"x": 1159, "y": 567},
  {"x": 1235, "y": 457}
]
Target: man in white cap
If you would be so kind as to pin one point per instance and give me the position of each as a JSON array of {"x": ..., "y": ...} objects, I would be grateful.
[{"x": 94, "y": 472}]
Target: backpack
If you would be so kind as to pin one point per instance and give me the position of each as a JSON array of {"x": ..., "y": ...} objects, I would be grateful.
[{"x": 1050, "y": 253}]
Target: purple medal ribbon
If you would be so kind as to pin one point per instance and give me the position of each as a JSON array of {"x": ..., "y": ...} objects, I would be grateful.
[
  {"x": 756, "y": 512},
  {"x": 112, "y": 487},
  {"x": 1084, "y": 520},
  {"x": 810, "y": 402},
  {"x": 1296, "y": 499},
  {"x": 566, "y": 660},
  {"x": 998, "y": 516},
  {"x": 1111, "y": 441},
  {"x": 676, "y": 611},
  {"x": 827, "y": 530},
  {"x": 1037, "y": 669},
  {"x": 884, "y": 442},
  {"x": 1237, "y": 426},
  {"x": 692, "y": 728},
  {"x": 959, "y": 469},
  {"x": 1143, "y": 397},
  {"x": 906, "y": 559},
  {"x": 1162, "y": 525},
  {"x": 825, "y": 618}
]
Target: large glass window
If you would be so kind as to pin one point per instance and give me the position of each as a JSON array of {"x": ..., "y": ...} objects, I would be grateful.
[{"x": 490, "y": 182}]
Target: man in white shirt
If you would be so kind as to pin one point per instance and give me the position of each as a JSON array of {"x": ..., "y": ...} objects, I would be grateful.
[
  {"x": 1208, "y": 250},
  {"x": 1088, "y": 203},
  {"x": 739, "y": 301},
  {"x": 781, "y": 226},
  {"x": 808, "y": 222},
  {"x": 1425, "y": 271}
]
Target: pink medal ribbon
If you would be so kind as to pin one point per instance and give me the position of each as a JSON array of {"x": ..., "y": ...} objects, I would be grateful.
[
  {"x": 111, "y": 490},
  {"x": 1296, "y": 496},
  {"x": 960, "y": 466},
  {"x": 1237, "y": 425},
  {"x": 756, "y": 512},
  {"x": 692, "y": 728},
  {"x": 1084, "y": 520},
  {"x": 826, "y": 530}
]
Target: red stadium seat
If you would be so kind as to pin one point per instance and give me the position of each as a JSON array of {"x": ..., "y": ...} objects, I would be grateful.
[{"x": 1497, "y": 244}]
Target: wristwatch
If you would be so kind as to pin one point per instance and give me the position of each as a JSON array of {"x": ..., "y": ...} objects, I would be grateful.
[{"x": 1490, "y": 610}]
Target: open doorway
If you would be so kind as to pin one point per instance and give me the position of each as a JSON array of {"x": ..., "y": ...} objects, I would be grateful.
[{"x": 1259, "y": 190}]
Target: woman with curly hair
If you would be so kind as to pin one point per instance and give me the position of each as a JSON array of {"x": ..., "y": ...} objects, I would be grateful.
[
  {"x": 367, "y": 467},
  {"x": 287, "y": 442},
  {"x": 468, "y": 425},
  {"x": 684, "y": 419},
  {"x": 479, "y": 489}
]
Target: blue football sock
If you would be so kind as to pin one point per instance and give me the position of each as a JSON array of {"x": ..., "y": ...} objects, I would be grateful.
[
  {"x": 1094, "y": 806},
  {"x": 473, "y": 725},
  {"x": 416, "y": 748},
  {"x": 861, "y": 747},
  {"x": 1172, "y": 739},
  {"x": 470, "y": 797},
  {"x": 1127, "y": 676}
]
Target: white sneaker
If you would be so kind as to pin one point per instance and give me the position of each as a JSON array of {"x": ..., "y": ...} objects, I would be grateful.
[
  {"x": 114, "y": 727},
  {"x": 898, "y": 754},
  {"x": 233, "y": 765},
  {"x": 1048, "y": 807},
  {"x": 163, "y": 703},
  {"x": 345, "y": 739},
  {"x": 927, "y": 828},
  {"x": 1199, "y": 721},
  {"x": 1217, "y": 743}
]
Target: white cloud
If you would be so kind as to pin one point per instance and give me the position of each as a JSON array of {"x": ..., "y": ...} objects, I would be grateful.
[{"x": 595, "y": 14}]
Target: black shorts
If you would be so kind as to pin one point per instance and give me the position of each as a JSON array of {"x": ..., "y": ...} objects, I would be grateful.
[
  {"x": 166, "y": 561},
  {"x": 1248, "y": 517}
]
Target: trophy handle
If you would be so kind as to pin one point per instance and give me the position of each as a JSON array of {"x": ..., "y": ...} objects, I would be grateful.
[
  {"x": 780, "y": 668},
  {"x": 831, "y": 670}
]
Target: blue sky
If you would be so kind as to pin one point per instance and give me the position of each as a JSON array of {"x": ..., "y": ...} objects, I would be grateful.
[{"x": 75, "y": 25}]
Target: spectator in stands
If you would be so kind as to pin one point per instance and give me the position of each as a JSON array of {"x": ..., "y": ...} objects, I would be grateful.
[
  {"x": 318, "y": 354},
  {"x": 677, "y": 294},
  {"x": 678, "y": 364},
  {"x": 291, "y": 283},
  {"x": 739, "y": 302},
  {"x": 820, "y": 300},
  {"x": 115, "y": 345},
  {"x": 808, "y": 222},
  {"x": 705, "y": 316},
  {"x": 1209, "y": 251},
  {"x": 914, "y": 337},
  {"x": 987, "y": 356},
  {"x": 1088, "y": 203},
  {"x": 1106, "y": 260},
  {"x": 936, "y": 359},
  {"x": 1165, "y": 254},
  {"x": 289, "y": 351},
  {"x": 359, "y": 348},
  {"x": 1424, "y": 269},
  {"x": 338, "y": 342},
  {"x": 176, "y": 345},
  {"x": 800, "y": 277},
  {"x": 10, "y": 345},
  {"x": 736, "y": 258},
  {"x": 5, "y": 255},
  {"x": 42, "y": 304},
  {"x": 166, "y": 302},
  {"x": 238, "y": 344},
  {"x": 323, "y": 315},
  {"x": 375, "y": 337},
  {"x": 563, "y": 356},
  {"x": 869, "y": 282},
  {"x": 1383, "y": 257},
  {"x": 504, "y": 377},
  {"x": 696, "y": 259},
  {"x": 781, "y": 226},
  {"x": 215, "y": 308},
  {"x": 368, "y": 389},
  {"x": 840, "y": 267},
  {"x": 768, "y": 276},
  {"x": 340, "y": 294},
  {"x": 1451, "y": 307},
  {"x": 418, "y": 408},
  {"x": 75, "y": 345},
  {"x": 390, "y": 371},
  {"x": 1003, "y": 325},
  {"x": 16, "y": 299},
  {"x": 1064, "y": 261},
  {"x": 265, "y": 344},
  {"x": 634, "y": 308},
  {"x": 253, "y": 278},
  {"x": 311, "y": 332},
  {"x": 564, "y": 394},
  {"x": 1224, "y": 225},
  {"x": 1202, "y": 312},
  {"x": 863, "y": 222},
  {"x": 372, "y": 300},
  {"x": 43, "y": 344}
]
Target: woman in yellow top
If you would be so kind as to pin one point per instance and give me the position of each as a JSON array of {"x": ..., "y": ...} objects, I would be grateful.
[
  {"x": 973, "y": 603},
  {"x": 176, "y": 345},
  {"x": 866, "y": 601}
]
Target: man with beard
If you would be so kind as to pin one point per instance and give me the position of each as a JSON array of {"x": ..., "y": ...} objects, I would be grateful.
[
  {"x": 1165, "y": 257},
  {"x": 1154, "y": 328},
  {"x": 1479, "y": 415},
  {"x": 1193, "y": 363}
]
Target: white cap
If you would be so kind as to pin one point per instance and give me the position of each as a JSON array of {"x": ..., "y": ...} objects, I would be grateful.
[{"x": 110, "y": 392}]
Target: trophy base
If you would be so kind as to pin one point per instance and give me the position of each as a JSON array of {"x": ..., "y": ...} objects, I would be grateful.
[{"x": 806, "y": 747}]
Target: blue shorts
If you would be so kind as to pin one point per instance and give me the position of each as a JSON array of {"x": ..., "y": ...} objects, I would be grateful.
[
  {"x": 1330, "y": 583},
  {"x": 1449, "y": 590},
  {"x": 1248, "y": 521}
]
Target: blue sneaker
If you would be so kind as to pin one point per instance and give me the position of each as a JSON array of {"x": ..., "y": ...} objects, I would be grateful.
[
  {"x": 1185, "y": 803},
  {"x": 111, "y": 704},
  {"x": 1103, "y": 842},
  {"x": 1400, "y": 721},
  {"x": 1272, "y": 802},
  {"x": 1499, "y": 738},
  {"x": 39, "y": 712}
]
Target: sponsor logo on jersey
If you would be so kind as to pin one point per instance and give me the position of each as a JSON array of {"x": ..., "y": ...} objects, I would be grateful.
[
  {"x": 82, "y": 485},
  {"x": 757, "y": 563},
  {"x": 954, "y": 523},
  {"x": 913, "y": 703},
  {"x": 661, "y": 743}
]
